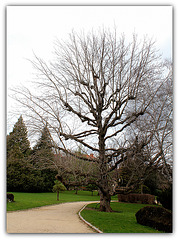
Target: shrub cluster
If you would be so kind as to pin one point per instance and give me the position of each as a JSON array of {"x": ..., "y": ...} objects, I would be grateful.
[
  {"x": 135, "y": 198},
  {"x": 10, "y": 197},
  {"x": 156, "y": 217}
]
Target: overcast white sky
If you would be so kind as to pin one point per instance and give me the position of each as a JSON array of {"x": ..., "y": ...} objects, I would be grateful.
[
  {"x": 29, "y": 30},
  {"x": 34, "y": 29}
]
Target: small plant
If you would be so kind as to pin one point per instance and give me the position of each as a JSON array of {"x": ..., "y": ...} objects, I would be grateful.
[{"x": 58, "y": 187}]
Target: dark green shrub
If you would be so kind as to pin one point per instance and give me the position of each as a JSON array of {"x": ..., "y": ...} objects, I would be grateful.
[
  {"x": 10, "y": 197},
  {"x": 165, "y": 198},
  {"x": 156, "y": 217}
]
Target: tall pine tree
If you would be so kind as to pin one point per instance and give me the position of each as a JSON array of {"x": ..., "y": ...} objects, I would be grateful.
[
  {"x": 42, "y": 151},
  {"x": 18, "y": 145}
]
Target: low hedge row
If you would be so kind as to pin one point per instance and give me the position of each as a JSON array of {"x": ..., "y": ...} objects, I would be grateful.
[{"x": 137, "y": 198}]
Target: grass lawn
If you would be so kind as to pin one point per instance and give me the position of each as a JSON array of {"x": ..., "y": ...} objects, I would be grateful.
[
  {"x": 31, "y": 200},
  {"x": 123, "y": 221}
]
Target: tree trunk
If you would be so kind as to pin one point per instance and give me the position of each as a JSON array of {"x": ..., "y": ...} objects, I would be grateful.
[
  {"x": 57, "y": 195},
  {"x": 105, "y": 199}
]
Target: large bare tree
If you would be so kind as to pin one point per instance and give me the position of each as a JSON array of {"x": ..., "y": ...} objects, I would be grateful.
[
  {"x": 155, "y": 131},
  {"x": 151, "y": 139},
  {"x": 96, "y": 86}
]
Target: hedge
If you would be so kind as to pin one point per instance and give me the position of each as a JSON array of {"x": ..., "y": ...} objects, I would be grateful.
[{"x": 137, "y": 198}]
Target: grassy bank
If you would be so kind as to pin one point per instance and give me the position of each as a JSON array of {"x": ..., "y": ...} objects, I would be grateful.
[
  {"x": 32, "y": 200},
  {"x": 121, "y": 221}
]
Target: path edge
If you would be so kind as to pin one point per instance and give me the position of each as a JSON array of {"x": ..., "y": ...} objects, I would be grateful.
[{"x": 89, "y": 224}]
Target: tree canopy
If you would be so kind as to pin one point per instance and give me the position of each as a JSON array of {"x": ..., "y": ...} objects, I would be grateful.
[{"x": 93, "y": 92}]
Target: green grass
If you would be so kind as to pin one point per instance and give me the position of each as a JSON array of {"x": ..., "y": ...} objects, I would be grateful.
[
  {"x": 32, "y": 200},
  {"x": 123, "y": 221}
]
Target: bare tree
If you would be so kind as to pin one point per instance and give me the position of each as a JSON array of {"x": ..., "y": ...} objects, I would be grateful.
[
  {"x": 162, "y": 120},
  {"x": 152, "y": 135},
  {"x": 74, "y": 172},
  {"x": 157, "y": 126},
  {"x": 142, "y": 162},
  {"x": 95, "y": 88}
]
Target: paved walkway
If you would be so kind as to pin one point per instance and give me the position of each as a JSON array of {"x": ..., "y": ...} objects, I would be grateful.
[{"x": 61, "y": 218}]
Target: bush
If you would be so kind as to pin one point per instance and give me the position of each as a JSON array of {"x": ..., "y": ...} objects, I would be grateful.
[
  {"x": 134, "y": 198},
  {"x": 165, "y": 198},
  {"x": 10, "y": 197},
  {"x": 156, "y": 217}
]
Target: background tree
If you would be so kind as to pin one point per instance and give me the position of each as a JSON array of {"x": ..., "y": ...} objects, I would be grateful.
[
  {"x": 22, "y": 175},
  {"x": 42, "y": 154},
  {"x": 74, "y": 172},
  {"x": 93, "y": 92},
  {"x": 91, "y": 188},
  {"x": 58, "y": 187},
  {"x": 154, "y": 132},
  {"x": 21, "y": 178},
  {"x": 18, "y": 145}
]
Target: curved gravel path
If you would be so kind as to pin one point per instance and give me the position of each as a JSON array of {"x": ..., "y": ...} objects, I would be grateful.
[{"x": 61, "y": 218}]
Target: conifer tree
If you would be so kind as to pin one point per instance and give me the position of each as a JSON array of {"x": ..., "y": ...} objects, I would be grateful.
[
  {"x": 21, "y": 175},
  {"x": 42, "y": 151},
  {"x": 18, "y": 145}
]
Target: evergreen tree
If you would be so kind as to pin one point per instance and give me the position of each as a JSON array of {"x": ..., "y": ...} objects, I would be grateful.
[
  {"x": 42, "y": 151},
  {"x": 23, "y": 178},
  {"x": 18, "y": 145},
  {"x": 21, "y": 175}
]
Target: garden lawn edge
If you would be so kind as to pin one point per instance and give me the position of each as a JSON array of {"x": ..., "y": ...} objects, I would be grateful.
[{"x": 89, "y": 224}]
